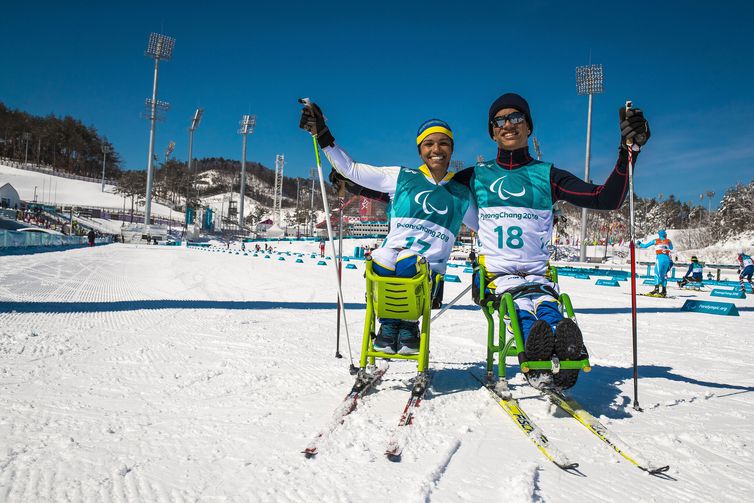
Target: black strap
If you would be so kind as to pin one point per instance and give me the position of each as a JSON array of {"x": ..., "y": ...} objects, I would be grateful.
[{"x": 523, "y": 290}]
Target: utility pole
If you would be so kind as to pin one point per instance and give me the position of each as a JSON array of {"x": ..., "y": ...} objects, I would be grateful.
[
  {"x": 27, "y": 137},
  {"x": 105, "y": 151},
  {"x": 536, "y": 147},
  {"x": 194, "y": 124},
  {"x": 710, "y": 195},
  {"x": 298, "y": 193},
  {"x": 312, "y": 174}
]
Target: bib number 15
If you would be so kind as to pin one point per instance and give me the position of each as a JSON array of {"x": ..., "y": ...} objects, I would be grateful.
[{"x": 510, "y": 238}]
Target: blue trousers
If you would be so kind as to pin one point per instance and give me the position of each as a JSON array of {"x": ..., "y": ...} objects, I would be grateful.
[
  {"x": 662, "y": 267},
  {"x": 546, "y": 310},
  {"x": 747, "y": 272}
]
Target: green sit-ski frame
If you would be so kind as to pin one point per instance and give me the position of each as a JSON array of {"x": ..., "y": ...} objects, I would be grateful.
[
  {"x": 397, "y": 298},
  {"x": 514, "y": 346}
]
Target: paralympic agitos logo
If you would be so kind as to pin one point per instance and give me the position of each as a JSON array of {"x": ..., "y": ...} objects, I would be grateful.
[
  {"x": 497, "y": 187},
  {"x": 421, "y": 198}
]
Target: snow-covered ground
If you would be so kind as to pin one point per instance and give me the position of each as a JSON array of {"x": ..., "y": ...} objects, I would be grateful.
[
  {"x": 56, "y": 190},
  {"x": 150, "y": 373}
]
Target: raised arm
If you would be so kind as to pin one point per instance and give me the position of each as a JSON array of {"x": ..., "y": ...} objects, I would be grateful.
[
  {"x": 611, "y": 194},
  {"x": 382, "y": 179}
]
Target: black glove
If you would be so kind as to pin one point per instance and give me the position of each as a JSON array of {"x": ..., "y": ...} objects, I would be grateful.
[
  {"x": 313, "y": 121},
  {"x": 336, "y": 179},
  {"x": 633, "y": 126}
]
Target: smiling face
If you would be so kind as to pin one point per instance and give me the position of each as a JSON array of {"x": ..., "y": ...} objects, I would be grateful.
[
  {"x": 436, "y": 150},
  {"x": 510, "y": 136}
]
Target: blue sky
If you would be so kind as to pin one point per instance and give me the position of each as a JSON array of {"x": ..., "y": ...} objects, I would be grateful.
[{"x": 379, "y": 69}]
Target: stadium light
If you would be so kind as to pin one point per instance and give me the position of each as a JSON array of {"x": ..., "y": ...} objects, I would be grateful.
[
  {"x": 159, "y": 48},
  {"x": 589, "y": 81},
  {"x": 247, "y": 127}
]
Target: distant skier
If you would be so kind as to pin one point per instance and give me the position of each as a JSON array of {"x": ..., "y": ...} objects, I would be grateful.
[
  {"x": 695, "y": 273},
  {"x": 90, "y": 236},
  {"x": 322, "y": 248},
  {"x": 426, "y": 210},
  {"x": 747, "y": 269},
  {"x": 663, "y": 246}
]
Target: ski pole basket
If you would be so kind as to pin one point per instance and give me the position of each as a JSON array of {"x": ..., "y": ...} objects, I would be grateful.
[
  {"x": 506, "y": 339},
  {"x": 397, "y": 298}
]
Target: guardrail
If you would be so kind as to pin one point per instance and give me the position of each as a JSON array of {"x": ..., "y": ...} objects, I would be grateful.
[
  {"x": 14, "y": 239},
  {"x": 50, "y": 170}
]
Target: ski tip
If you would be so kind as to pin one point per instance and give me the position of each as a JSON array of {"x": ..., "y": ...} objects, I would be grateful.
[
  {"x": 394, "y": 457},
  {"x": 657, "y": 471},
  {"x": 568, "y": 466}
]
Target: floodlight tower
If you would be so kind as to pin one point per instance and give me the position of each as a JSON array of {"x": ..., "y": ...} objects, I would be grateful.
[
  {"x": 105, "y": 151},
  {"x": 278, "y": 194},
  {"x": 159, "y": 47},
  {"x": 588, "y": 81},
  {"x": 247, "y": 127}
]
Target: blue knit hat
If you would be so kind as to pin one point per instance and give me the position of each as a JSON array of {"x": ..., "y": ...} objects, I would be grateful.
[
  {"x": 432, "y": 126},
  {"x": 662, "y": 234},
  {"x": 510, "y": 100}
]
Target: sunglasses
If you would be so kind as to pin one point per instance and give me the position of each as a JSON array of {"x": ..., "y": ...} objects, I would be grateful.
[{"x": 515, "y": 118}]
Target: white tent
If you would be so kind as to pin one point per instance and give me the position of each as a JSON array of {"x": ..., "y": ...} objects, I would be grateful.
[
  {"x": 9, "y": 197},
  {"x": 274, "y": 232}
]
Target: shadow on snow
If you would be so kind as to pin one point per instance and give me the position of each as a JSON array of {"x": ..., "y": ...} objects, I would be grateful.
[{"x": 137, "y": 305}]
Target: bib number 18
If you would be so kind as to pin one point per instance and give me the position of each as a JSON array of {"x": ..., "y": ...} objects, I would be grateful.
[{"x": 512, "y": 238}]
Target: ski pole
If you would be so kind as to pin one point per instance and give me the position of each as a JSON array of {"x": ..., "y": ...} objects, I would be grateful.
[
  {"x": 632, "y": 248},
  {"x": 452, "y": 302},
  {"x": 341, "y": 196},
  {"x": 326, "y": 205}
]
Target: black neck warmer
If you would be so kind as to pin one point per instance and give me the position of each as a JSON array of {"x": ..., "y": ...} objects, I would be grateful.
[{"x": 511, "y": 159}]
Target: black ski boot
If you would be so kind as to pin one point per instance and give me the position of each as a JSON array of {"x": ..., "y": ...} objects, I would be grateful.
[
  {"x": 540, "y": 345},
  {"x": 663, "y": 292},
  {"x": 569, "y": 345},
  {"x": 656, "y": 291}
]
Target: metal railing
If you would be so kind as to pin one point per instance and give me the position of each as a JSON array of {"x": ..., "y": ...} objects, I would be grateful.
[{"x": 50, "y": 170}]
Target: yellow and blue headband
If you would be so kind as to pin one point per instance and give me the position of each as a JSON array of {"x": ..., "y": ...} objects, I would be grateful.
[{"x": 433, "y": 126}]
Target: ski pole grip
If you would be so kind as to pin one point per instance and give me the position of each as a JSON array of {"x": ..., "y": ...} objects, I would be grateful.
[{"x": 629, "y": 141}]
